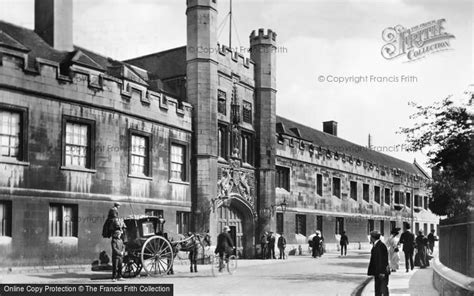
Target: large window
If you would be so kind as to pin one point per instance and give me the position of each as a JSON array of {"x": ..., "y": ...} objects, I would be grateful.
[
  {"x": 397, "y": 198},
  {"x": 279, "y": 222},
  {"x": 418, "y": 200},
  {"x": 382, "y": 227},
  {"x": 336, "y": 187},
  {"x": 387, "y": 196},
  {"x": 63, "y": 220},
  {"x": 408, "y": 199},
  {"x": 377, "y": 194},
  {"x": 425, "y": 202},
  {"x": 354, "y": 190},
  {"x": 183, "y": 222},
  {"x": 140, "y": 155},
  {"x": 178, "y": 162},
  {"x": 339, "y": 225},
  {"x": 319, "y": 222},
  {"x": 300, "y": 224},
  {"x": 365, "y": 192},
  {"x": 247, "y": 148},
  {"x": 283, "y": 177},
  {"x": 5, "y": 218},
  {"x": 222, "y": 138},
  {"x": 11, "y": 141},
  {"x": 319, "y": 184},
  {"x": 78, "y": 143}
]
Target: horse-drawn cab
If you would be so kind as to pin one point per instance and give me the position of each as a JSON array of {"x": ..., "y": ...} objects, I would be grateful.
[{"x": 146, "y": 246}]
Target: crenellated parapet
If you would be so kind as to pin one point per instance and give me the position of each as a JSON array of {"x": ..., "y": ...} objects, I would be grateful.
[
  {"x": 235, "y": 55},
  {"x": 304, "y": 150},
  {"x": 261, "y": 37},
  {"x": 81, "y": 79}
]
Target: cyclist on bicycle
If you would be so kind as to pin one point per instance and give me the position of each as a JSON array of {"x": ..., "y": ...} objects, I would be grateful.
[{"x": 225, "y": 245}]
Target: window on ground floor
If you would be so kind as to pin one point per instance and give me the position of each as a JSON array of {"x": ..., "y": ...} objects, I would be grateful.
[
  {"x": 393, "y": 225},
  {"x": 300, "y": 224},
  {"x": 63, "y": 220},
  {"x": 319, "y": 222},
  {"x": 183, "y": 222},
  {"x": 382, "y": 228},
  {"x": 370, "y": 226},
  {"x": 339, "y": 225},
  {"x": 154, "y": 212},
  {"x": 425, "y": 228},
  {"x": 279, "y": 221},
  {"x": 5, "y": 218}
]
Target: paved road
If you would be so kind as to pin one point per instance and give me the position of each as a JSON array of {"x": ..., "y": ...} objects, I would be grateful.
[{"x": 299, "y": 275}]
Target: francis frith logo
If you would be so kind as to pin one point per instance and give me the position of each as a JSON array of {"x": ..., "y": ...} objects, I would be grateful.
[{"x": 416, "y": 42}]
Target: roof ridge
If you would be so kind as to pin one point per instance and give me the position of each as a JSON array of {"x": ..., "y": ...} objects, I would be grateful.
[
  {"x": 155, "y": 53},
  {"x": 352, "y": 143}
]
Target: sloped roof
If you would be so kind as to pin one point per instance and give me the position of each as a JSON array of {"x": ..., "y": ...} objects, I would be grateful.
[
  {"x": 333, "y": 143},
  {"x": 27, "y": 40},
  {"x": 164, "y": 64}
]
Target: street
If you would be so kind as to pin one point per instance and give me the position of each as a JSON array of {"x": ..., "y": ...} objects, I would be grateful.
[{"x": 298, "y": 275}]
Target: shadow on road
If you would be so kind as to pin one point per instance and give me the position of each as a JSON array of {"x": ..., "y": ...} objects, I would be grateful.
[{"x": 345, "y": 277}]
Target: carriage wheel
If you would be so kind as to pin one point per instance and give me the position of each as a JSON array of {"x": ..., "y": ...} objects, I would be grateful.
[
  {"x": 157, "y": 256},
  {"x": 232, "y": 264},
  {"x": 131, "y": 268}
]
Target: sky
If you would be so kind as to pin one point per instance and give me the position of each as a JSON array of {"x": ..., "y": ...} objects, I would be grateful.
[{"x": 319, "y": 42}]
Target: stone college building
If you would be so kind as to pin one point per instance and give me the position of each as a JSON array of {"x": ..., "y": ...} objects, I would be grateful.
[{"x": 188, "y": 134}]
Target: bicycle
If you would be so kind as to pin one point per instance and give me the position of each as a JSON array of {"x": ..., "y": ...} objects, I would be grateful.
[{"x": 230, "y": 264}]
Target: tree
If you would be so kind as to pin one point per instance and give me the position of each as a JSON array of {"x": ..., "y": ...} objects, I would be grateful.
[{"x": 445, "y": 129}]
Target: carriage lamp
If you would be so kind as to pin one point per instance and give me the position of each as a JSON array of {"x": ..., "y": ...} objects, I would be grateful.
[{"x": 161, "y": 222}]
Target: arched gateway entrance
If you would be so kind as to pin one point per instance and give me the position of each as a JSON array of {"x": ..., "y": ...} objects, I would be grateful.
[{"x": 236, "y": 213}]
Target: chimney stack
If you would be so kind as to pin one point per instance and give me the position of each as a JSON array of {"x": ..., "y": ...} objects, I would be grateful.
[
  {"x": 330, "y": 127},
  {"x": 53, "y": 23}
]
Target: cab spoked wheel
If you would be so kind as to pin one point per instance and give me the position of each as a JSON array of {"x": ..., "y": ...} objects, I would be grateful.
[{"x": 157, "y": 256}]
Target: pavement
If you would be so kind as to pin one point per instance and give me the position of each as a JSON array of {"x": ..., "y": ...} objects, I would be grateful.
[
  {"x": 298, "y": 275},
  {"x": 416, "y": 282}
]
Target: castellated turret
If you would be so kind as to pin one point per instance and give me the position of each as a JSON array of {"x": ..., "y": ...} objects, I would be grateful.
[
  {"x": 201, "y": 92},
  {"x": 263, "y": 54}
]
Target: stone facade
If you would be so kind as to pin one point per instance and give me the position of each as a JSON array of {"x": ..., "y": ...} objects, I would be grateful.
[{"x": 238, "y": 163}]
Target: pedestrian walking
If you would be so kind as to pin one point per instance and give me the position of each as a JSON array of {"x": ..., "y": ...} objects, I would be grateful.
[
  {"x": 420, "y": 243},
  {"x": 393, "y": 251},
  {"x": 408, "y": 240},
  {"x": 344, "y": 241},
  {"x": 316, "y": 242},
  {"x": 264, "y": 244},
  {"x": 378, "y": 266},
  {"x": 431, "y": 240},
  {"x": 281, "y": 245},
  {"x": 118, "y": 251},
  {"x": 271, "y": 246},
  {"x": 225, "y": 246}
]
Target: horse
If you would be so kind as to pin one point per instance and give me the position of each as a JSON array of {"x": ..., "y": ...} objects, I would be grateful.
[{"x": 193, "y": 243}]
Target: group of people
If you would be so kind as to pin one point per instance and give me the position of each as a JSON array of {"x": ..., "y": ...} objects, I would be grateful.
[
  {"x": 385, "y": 258},
  {"x": 267, "y": 245}
]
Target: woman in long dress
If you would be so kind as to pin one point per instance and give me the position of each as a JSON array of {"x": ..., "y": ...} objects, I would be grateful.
[{"x": 392, "y": 245}]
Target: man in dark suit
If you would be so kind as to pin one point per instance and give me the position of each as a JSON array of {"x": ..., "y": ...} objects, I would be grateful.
[
  {"x": 378, "y": 266},
  {"x": 408, "y": 240},
  {"x": 225, "y": 246}
]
